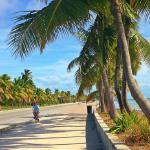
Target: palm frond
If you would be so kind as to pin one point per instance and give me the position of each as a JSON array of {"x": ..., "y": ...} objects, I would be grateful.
[
  {"x": 36, "y": 28},
  {"x": 142, "y": 7},
  {"x": 143, "y": 45},
  {"x": 73, "y": 63}
]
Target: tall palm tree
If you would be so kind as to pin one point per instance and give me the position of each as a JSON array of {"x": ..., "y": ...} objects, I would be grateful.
[
  {"x": 134, "y": 88},
  {"x": 24, "y": 87},
  {"x": 117, "y": 77},
  {"x": 139, "y": 51},
  {"x": 94, "y": 55}
]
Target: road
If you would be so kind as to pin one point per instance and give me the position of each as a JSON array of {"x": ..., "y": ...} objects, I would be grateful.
[
  {"x": 16, "y": 116},
  {"x": 61, "y": 128}
]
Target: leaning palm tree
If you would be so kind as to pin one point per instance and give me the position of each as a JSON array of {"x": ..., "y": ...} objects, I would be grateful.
[
  {"x": 94, "y": 55},
  {"x": 38, "y": 27},
  {"x": 139, "y": 52},
  {"x": 134, "y": 88}
]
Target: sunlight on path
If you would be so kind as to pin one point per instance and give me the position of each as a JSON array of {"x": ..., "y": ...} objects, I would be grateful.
[{"x": 59, "y": 131}]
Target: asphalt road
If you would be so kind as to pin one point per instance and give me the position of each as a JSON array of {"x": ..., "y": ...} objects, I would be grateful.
[{"x": 16, "y": 116}]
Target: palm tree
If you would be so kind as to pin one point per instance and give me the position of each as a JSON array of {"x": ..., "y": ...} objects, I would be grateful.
[
  {"x": 48, "y": 91},
  {"x": 6, "y": 85},
  {"x": 40, "y": 96},
  {"x": 56, "y": 91},
  {"x": 93, "y": 57},
  {"x": 138, "y": 52},
  {"x": 27, "y": 75},
  {"x": 116, "y": 78},
  {"x": 19, "y": 95},
  {"x": 101, "y": 95},
  {"x": 134, "y": 88},
  {"x": 24, "y": 87}
]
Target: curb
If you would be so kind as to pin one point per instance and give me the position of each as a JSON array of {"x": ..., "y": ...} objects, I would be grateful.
[{"x": 111, "y": 142}]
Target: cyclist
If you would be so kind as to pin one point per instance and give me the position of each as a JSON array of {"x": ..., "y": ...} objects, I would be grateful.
[{"x": 35, "y": 108}]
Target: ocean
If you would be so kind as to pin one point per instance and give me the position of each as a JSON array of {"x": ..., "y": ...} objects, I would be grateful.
[{"x": 132, "y": 103}]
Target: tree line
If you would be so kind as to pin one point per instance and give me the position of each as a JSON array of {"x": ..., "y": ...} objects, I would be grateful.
[{"x": 22, "y": 91}]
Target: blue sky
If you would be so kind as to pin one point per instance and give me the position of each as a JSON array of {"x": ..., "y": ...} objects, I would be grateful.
[{"x": 50, "y": 68}]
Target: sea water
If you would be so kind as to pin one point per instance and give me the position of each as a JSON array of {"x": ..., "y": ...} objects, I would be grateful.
[{"x": 131, "y": 102}]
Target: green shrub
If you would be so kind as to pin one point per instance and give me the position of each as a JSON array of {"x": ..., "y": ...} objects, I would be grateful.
[
  {"x": 124, "y": 122},
  {"x": 138, "y": 133}
]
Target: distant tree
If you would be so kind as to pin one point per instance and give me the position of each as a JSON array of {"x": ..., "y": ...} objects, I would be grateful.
[
  {"x": 48, "y": 91},
  {"x": 56, "y": 91}
]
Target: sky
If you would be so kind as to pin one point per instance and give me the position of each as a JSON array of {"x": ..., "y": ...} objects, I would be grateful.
[{"x": 49, "y": 69}]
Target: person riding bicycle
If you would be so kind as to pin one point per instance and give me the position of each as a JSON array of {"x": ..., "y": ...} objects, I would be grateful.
[{"x": 35, "y": 108}]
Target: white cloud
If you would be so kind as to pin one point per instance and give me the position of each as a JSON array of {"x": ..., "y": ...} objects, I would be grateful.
[
  {"x": 57, "y": 66},
  {"x": 65, "y": 81},
  {"x": 56, "y": 77}
]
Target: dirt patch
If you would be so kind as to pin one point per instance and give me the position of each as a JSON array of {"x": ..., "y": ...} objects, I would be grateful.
[{"x": 107, "y": 119}]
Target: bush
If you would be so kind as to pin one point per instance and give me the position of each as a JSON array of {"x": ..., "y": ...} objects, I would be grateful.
[
  {"x": 124, "y": 122},
  {"x": 136, "y": 128},
  {"x": 138, "y": 133}
]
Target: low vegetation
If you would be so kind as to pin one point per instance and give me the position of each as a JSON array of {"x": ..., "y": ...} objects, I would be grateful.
[
  {"x": 133, "y": 129},
  {"x": 138, "y": 133},
  {"x": 125, "y": 121}
]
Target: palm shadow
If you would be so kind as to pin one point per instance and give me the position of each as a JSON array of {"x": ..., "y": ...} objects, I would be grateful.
[{"x": 53, "y": 124}]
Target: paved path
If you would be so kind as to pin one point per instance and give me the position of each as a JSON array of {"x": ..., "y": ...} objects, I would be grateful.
[
  {"x": 67, "y": 128},
  {"x": 25, "y": 114}
]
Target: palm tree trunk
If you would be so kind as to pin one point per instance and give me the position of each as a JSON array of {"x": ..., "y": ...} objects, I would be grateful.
[
  {"x": 111, "y": 107},
  {"x": 124, "y": 81},
  {"x": 116, "y": 83},
  {"x": 143, "y": 103},
  {"x": 101, "y": 96},
  {"x": 124, "y": 92},
  {"x": 105, "y": 100}
]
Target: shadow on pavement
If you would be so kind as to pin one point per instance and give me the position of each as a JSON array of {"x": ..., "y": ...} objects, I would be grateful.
[{"x": 54, "y": 130}]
